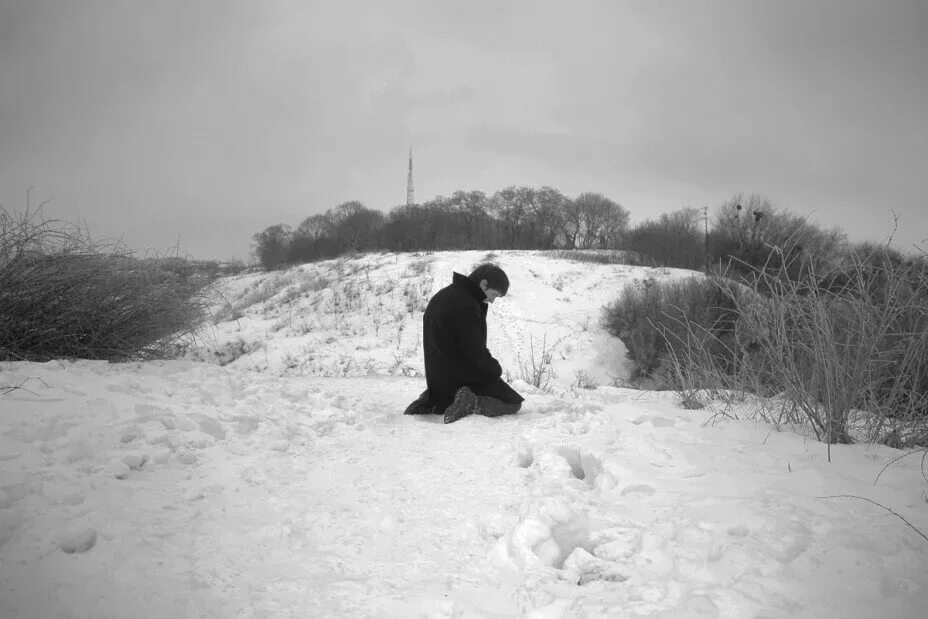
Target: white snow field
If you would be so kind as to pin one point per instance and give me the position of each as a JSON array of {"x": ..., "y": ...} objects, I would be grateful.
[{"x": 287, "y": 483}]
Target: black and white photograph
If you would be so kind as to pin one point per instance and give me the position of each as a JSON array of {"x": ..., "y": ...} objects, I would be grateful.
[{"x": 460, "y": 309}]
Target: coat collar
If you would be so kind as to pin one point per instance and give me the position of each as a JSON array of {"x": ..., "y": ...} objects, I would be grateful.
[{"x": 462, "y": 281}]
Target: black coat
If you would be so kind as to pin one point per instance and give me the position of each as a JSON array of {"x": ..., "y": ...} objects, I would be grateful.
[{"x": 454, "y": 339}]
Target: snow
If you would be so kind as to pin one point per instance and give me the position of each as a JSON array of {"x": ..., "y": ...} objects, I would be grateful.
[
  {"x": 288, "y": 483},
  {"x": 363, "y": 316}
]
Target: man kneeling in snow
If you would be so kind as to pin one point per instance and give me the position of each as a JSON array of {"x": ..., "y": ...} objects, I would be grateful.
[{"x": 462, "y": 376}]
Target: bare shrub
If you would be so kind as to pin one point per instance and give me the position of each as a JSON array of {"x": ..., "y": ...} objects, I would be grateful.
[
  {"x": 416, "y": 268},
  {"x": 861, "y": 344},
  {"x": 597, "y": 256},
  {"x": 537, "y": 370},
  {"x": 692, "y": 313},
  {"x": 584, "y": 381},
  {"x": 233, "y": 350},
  {"x": 750, "y": 233},
  {"x": 290, "y": 361},
  {"x": 673, "y": 239},
  {"x": 311, "y": 283},
  {"x": 266, "y": 290},
  {"x": 278, "y": 289},
  {"x": 845, "y": 352},
  {"x": 63, "y": 295}
]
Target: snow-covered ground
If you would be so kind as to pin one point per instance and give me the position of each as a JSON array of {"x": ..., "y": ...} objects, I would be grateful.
[
  {"x": 288, "y": 483},
  {"x": 363, "y": 316}
]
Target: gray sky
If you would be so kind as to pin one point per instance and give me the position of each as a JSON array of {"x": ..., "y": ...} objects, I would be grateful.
[{"x": 208, "y": 121}]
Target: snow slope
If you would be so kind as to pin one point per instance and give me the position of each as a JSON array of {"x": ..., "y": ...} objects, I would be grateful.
[
  {"x": 363, "y": 315},
  {"x": 186, "y": 488}
]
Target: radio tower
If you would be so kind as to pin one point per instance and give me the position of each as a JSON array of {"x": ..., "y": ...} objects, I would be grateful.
[{"x": 410, "y": 200}]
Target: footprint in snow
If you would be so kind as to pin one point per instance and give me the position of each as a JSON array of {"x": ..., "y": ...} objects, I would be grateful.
[
  {"x": 584, "y": 568},
  {"x": 525, "y": 455},
  {"x": 640, "y": 491},
  {"x": 656, "y": 421},
  {"x": 577, "y": 553},
  {"x": 101, "y": 404},
  {"x": 77, "y": 540},
  {"x": 148, "y": 412},
  {"x": 130, "y": 434},
  {"x": 127, "y": 387},
  {"x": 739, "y": 531},
  {"x": 615, "y": 544},
  {"x": 212, "y": 427},
  {"x": 135, "y": 461},
  {"x": 245, "y": 424},
  {"x": 583, "y": 466},
  {"x": 576, "y": 427}
]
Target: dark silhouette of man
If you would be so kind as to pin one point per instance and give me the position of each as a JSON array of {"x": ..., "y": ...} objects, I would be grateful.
[{"x": 461, "y": 376}]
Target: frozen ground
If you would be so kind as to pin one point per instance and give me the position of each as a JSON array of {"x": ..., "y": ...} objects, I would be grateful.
[
  {"x": 185, "y": 488},
  {"x": 363, "y": 316}
]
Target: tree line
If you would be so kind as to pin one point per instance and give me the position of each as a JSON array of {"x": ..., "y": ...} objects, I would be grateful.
[
  {"x": 511, "y": 218},
  {"x": 745, "y": 231}
]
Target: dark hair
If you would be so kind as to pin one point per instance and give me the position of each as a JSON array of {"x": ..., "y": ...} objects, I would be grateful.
[{"x": 495, "y": 276}]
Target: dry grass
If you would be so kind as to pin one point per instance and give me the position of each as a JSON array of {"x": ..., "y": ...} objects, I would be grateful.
[
  {"x": 537, "y": 370},
  {"x": 844, "y": 352},
  {"x": 598, "y": 256},
  {"x": 690, "y": 313},
  {"x": 63, "y": 295}
]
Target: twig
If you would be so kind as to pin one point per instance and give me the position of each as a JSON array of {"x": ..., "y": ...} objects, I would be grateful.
[
  {"x": 720, "y": 413},
  {"x": 5, "y": 389},
  {"x": 924, "y": 455},
  {"x": 897, "y": 515},
  {"x": 897, "y": 459}
]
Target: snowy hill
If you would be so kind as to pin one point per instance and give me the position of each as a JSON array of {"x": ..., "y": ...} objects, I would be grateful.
[
  {"x": 286, "y": 482},
  {"x": 363, "y": 316}
]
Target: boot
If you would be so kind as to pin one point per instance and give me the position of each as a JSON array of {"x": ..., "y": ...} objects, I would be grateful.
[
  {"x": 421, "y": 406},
  {"x": 465, "y": 403}
]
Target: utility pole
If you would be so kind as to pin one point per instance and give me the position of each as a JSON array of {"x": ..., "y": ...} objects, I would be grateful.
[
  {"x": 410, "y": 200},
  {"x": 705, "y": 211}
]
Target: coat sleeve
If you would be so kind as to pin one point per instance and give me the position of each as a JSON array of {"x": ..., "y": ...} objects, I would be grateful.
[{"x": 473, "y": 346}]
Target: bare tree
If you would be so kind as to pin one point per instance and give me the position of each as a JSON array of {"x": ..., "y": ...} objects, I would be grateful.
[
  {"x": 313, "y": 238},
  {"x": 356, "y": 226},
  {"x": 511, "y": 206},
  {"x": 404, "y": 228},
  {"x": 673, "y": 239},
  {"x": 271, "y": 245},
  {"x": 471, "y": 207},
  {"x": 547, "y": 217},
  {"x": 596, "y": 220},
  {"x": 573, "y": 224},
  {"x": 750, "y": 230}
]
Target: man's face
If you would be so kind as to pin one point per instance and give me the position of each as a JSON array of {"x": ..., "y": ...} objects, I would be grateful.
[{"x": 491, "y": 293}]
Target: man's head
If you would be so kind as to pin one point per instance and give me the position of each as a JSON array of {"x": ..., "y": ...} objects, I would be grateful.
[{"x": 491, "y": 279}]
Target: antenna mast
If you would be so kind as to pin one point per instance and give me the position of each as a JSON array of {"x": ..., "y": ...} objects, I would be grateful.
[{"x": 410, "y": 200}]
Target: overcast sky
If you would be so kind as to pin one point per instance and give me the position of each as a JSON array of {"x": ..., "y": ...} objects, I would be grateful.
[{"x": 207, "y": 121}]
